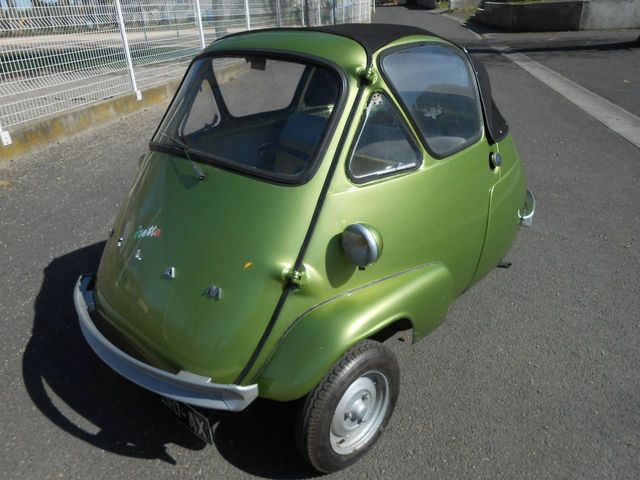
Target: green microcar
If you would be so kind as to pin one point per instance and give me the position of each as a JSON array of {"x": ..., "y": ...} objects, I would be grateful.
[{"x": 308, "y": 194}]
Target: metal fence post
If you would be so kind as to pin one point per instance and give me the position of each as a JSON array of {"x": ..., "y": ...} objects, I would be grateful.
[
  {"x": 319, "y": 13},
  {"x": 333, "y": 12},
  {"x": 278, "y": 14},
  {"x": 127, "y": 52},
  {"x": 247, "y": 14},
  {"x": 303, "y": 4},
  {"x": 199, "y": 20}
]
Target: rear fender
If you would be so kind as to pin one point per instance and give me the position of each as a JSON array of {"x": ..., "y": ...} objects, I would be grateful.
[{"x": 320, "y": 336}]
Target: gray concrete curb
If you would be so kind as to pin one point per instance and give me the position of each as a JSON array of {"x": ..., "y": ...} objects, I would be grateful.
[{"x": 38, "y": 134}]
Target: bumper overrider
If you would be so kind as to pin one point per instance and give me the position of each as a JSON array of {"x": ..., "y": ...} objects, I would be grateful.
[
  {"x": 528, "y": 210},
  {"x": 183, "y": 386}
]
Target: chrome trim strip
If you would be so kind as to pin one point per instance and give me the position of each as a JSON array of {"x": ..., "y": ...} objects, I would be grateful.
[
  {"x": 184, "y": 386},
  {"x": 529, "y": 207}
]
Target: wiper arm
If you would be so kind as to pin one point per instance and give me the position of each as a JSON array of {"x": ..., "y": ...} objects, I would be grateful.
[{"x": 185, "y": 148}]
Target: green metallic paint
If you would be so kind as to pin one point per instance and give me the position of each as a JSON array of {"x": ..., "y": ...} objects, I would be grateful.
[
  {"x": 345, "y": 53},
  {"x": 210, "y": 229},
  {"x": 174, "y": 318},
  {"x": 444, "y": 226},
  {"x": 430, "y": 220},
  {"x": 507, "y": 196},
  {"x": 317, "y": 339}
]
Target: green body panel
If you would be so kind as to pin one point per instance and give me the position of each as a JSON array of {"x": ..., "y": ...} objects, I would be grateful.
[
  {"x": 435, "y": 214},
  {"x": 506, "y": 199},
  {"x": 210, "y": 230},
  {"x": 319, "y": 337},
  {"x": 342, "y": 51},
  {"x": 444, "y": 226}
]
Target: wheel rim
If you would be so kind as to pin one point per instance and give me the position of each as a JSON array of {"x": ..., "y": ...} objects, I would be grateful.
[{"x": 360, "y": 413}]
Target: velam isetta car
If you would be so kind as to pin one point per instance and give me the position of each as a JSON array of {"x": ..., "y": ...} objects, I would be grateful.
[{"x": 308, "y": 194}]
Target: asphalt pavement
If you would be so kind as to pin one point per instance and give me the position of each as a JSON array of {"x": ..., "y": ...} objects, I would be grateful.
[{"x": 535, "y": 373}]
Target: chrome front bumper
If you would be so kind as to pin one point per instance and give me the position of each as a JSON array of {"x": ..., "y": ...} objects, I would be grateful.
[
  {"x": 184, "y": 386},
  {"x": 528, "y": 210}
]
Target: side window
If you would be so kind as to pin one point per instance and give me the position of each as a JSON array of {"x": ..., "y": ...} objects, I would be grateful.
[
  {"x": 384, "y": 146},
  {"x": 437, "y": 86},
  {"x": 321, "y": 90},
  {"x": 204, "y": 112}
]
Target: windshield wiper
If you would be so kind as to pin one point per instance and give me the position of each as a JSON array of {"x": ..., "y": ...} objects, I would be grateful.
[{"x": 185, "y": 148}]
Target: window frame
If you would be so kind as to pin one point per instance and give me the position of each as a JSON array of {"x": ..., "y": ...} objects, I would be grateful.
[
  {"x": 275, "y": 54},
  {"x": 407, "y": 111},
  {"x": 362, "y": 124}
]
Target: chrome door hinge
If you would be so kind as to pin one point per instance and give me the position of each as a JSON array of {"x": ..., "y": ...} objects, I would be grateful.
[
  {"x": 296, "y": 278},
  {"x": 368, "y": 75}
]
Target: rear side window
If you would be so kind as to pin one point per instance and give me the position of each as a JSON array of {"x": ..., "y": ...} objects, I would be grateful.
[
  {"x": 384, "y": 145},
  {"x": 437, "y": 86}
]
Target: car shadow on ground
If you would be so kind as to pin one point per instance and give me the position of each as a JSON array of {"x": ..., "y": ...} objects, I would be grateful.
[
  {"x": 260, "y": 440},
  {"x": 78, "y": 393}
]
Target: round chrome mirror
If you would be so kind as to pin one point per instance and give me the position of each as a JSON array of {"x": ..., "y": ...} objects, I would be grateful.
[{"x": 362, "y": 244}]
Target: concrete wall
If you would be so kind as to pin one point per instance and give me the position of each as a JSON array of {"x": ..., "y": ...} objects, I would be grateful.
[
  {"x": 428, "y": 3},
  {"x": 453, "y": 4},
  {"x": 532, "y": 17},
  {"x": 603, "y": 14},
  {"x": 560, "y": 15}
]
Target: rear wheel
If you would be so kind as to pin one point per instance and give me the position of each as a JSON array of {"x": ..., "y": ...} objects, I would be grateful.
[{"x": 342, "y": 418}]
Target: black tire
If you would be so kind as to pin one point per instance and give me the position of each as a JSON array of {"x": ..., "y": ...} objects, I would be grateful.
[{"x": 366, "y": 380}]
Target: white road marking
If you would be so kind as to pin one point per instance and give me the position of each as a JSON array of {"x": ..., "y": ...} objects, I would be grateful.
[
  {"x": 621, "y": 121},
  {"x": 461, "y": 22}
]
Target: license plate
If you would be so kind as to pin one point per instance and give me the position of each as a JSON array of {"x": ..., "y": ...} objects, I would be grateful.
[{"x": 194, "y": 420}]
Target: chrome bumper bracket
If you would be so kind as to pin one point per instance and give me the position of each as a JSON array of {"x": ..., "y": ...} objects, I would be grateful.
[{"x": 528, "y": 210}]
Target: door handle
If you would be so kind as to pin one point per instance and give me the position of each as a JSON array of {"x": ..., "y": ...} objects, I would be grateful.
[{"x": 495, "y": 160}]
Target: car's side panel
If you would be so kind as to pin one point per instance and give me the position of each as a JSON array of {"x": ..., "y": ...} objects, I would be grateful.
[
  {"x": 507, "y": 197},
  {"x": 435, "y": 214},
  {"x": 324, "y": 333}
]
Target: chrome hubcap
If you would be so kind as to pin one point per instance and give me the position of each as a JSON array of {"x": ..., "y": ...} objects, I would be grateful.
[{"x": 359, "y": 413}]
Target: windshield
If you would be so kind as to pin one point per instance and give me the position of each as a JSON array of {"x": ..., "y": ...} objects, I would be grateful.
[{"x": 256, "y": 113}]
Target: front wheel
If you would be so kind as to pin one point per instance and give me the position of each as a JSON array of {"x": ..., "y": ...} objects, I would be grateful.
[{"x": 342, "y": 417}]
